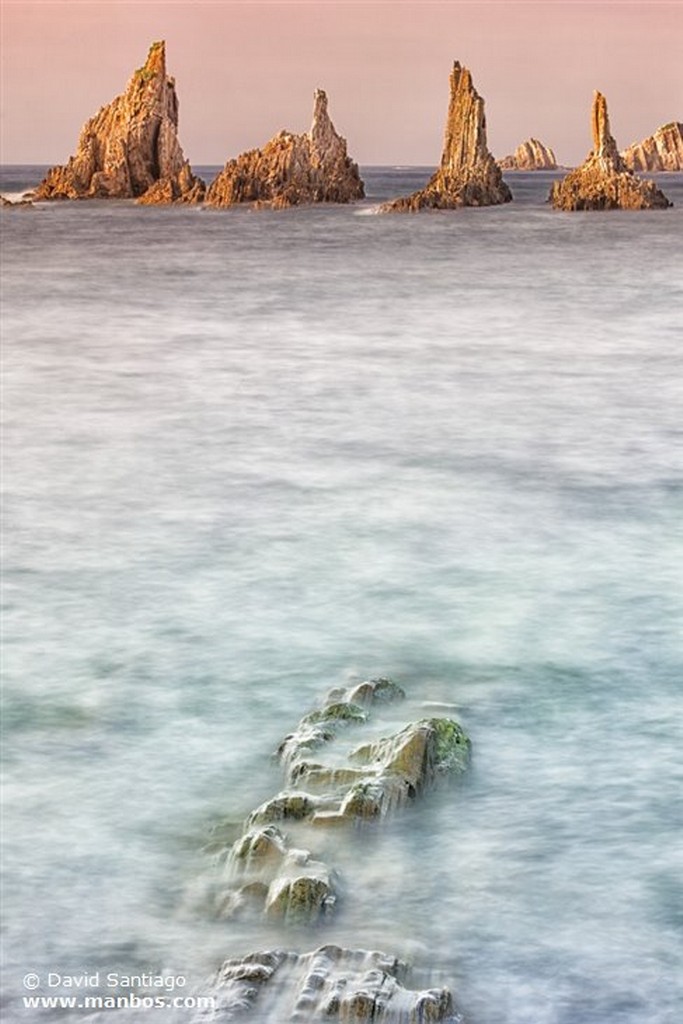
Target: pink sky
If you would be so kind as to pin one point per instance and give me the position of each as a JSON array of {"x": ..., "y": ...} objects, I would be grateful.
[{"x": 244, "y": 70}]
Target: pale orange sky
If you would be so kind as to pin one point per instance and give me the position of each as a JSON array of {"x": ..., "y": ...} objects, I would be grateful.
[{"x": 244, "y": 70}]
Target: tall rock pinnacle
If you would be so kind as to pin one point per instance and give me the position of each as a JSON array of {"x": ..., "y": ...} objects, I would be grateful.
[
  {"x": 468, "y": 174},
  {"x": 603, "y": 142},
  {"x": 603, "y": 181},
  {"x": 292, "y": 169},
  {"x": 130, "y": 148}
]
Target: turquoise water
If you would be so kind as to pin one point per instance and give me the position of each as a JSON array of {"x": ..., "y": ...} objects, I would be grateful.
[{"x": 249, "y": 457}]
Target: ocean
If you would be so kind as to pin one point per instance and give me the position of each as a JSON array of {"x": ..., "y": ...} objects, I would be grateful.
[{"x": 250, "y": 456}]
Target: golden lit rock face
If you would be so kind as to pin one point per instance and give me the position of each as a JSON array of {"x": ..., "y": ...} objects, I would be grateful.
[
  {"x": 603, "y": 182},
  {"x": 662, "y": 151},
  {"x": 130, "y": 148},
  {"x": 468, "y": 174},
  {"x": 531, "y": 155},
  {"x": 292, "y": 169}
]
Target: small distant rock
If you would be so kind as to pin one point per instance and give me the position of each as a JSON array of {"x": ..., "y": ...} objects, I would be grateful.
[
  {"x": 468, "y": 175},
  {"x": 531, "y": 155},
  {"x": 15, "y": 204},
  {"x": 130, "y": 149},
  {"x": 603, "y": 182},
  {"x": 660, "y": 152},
  {"x": 291, "y": 169}
]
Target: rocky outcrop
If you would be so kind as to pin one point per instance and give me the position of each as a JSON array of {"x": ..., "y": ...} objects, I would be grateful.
[
  {"x": 603, "y": 182},
  {"x": 331, "y": 984},
  {"x": 292, "y": 169},
  {"x": 662, "y": 151},
  {"x": 265, "y": 873},
  {"x": 531, "y": 155},
  {"x": 130, "y": 149},
  {"x": 468, "y": 174}
]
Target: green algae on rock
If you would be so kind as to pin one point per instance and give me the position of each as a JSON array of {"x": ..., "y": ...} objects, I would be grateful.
[{"x": 266, "y": 874}]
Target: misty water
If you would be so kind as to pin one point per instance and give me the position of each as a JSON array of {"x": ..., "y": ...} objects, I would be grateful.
[{"x": 252, "y": 456}]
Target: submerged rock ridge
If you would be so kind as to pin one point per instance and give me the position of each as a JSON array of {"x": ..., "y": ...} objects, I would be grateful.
[
  {"x": 292, "y": 169},
  {"x": 266, "y": 873},
  {"x": 468, "y": 174},
  {"x": 603, "y": 181},
  {"x": 662, "y": 151},
  {"x": 130, "y": 148},
  {"x": 331, "y": 984},
  {"x": 531, "y": 155}
]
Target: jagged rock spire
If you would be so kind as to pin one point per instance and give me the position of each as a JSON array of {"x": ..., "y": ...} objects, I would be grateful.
[
  {"x": 292, "y": 169},
  {"x": 603, "y": 141},
  {"x": 603, "y": 182},
  {"x": 468, "y": 174},
  {"x": 130, "y": 148}
]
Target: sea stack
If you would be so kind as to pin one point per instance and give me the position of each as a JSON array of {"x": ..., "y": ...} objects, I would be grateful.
[
  {"x": 603, "y": 181},
  {"x": 130, "y": 149},
  {"x": 468, "y": 174},
  {"x": 662, "y": 151},
  {"x": 292, "y": 169},
  {"x": 531, "y": 155}
]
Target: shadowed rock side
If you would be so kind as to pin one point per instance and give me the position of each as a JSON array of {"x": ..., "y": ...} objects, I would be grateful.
[
  {"x": 292, "y": 169},
  {"x": 531, "y": 155},
  {"x": 331, "y": 984},
  {"x": 662, "y": 151},
  {"x": 130, "y": 149},
  {"x": 265, "y": 873},
  {"x": 468, "y": 175},
  {"x": 603, "y": 182}
]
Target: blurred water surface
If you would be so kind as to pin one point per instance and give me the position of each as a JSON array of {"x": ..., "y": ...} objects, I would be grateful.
[{"x": 250, "y": 456}]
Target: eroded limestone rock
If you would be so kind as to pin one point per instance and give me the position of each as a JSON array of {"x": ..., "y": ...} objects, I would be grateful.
[
  {"x": 292, "y": 169},
  {"x": 265, "y": 873},
  {"x": 468, "y": 174},
  {"x": 662, "y": 151},
  {"x": 130, "y": 148},
  {"x": 603, "y": 181},
  {"x": 531, "y": 155},
  {"x": 331, "y": 983}
]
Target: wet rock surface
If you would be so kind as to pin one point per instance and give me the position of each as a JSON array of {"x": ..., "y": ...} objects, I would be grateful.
[
  {"x": 291, "y": 170},
  {"x": 328, "y": 984},
  {"x": 468, "y": 174},
  {"x": 271, "y": 869},
  {"x": 603, "y": 181},
  {"x": 130, "y": 148}
]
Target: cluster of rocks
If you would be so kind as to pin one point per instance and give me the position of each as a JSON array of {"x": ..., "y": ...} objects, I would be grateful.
[
  {"x": 266, "y": 872},
  {"x": 603, "y": 182},
  {"x": 130, "y": 150},
  {"x": 468, "y": 175},
  {"x": 269, "y": 875}
]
